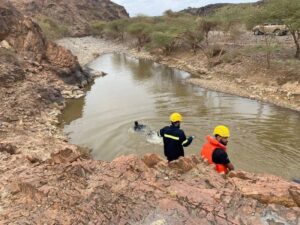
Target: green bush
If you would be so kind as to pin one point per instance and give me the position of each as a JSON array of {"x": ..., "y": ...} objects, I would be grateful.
[
  {"x": 52, "y": 29},
  {"x": 116, "y": 28},
  {"x": 97, "y": 27},
  {"x": 164, "y": 40}
]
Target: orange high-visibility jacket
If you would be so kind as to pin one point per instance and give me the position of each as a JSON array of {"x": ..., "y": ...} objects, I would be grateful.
[{"x": 207, "y": 151}]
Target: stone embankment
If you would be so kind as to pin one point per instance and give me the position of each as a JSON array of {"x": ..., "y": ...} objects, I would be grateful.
[{"x": 243, "y": 78}]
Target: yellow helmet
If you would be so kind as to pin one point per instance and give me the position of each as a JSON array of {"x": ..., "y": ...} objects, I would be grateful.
[
  {"x": 221, "y": 130},
  {"x": 175, "y": 117}
]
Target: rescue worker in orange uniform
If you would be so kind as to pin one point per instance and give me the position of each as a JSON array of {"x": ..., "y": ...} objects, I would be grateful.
[
  {"x": 214, "y": 150},
  {"x": 174, "y": 138}
]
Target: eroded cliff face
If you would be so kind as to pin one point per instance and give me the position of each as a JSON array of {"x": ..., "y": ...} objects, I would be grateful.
[
  {"x": 33, "y": 72},
  {"x": 70, "y": 190},
  {"x": 75, "y": 14},
  {"x": 24, "y": 37}
]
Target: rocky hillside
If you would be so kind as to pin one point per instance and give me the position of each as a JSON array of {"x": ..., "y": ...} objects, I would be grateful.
[
  {"x": 33, "y": 75},
  {"x": 23, "y": 37},
  {"x": 73, "y": 14},
  {"x": 212, "y": 8}
]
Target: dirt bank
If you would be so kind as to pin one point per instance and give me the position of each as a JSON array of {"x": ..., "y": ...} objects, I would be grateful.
[{"x": 240, "y": 77}]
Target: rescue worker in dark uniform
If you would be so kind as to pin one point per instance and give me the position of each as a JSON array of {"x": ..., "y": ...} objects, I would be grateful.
[
  {"x": 174, "y": 138},
  {"x": 138, "y": 126},
  {"x": 215, "y": 150}
]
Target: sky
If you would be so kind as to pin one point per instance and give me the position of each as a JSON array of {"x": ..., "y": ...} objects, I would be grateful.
[{"x": 157, "y": 7}]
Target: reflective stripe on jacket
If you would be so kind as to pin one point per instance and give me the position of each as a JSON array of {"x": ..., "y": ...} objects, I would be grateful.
[
  {"x": 174, "y": 141},
  {"x": 207, "y": 151}
]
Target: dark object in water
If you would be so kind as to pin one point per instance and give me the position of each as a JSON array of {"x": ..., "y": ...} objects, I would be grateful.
[
  {"x": 297, "y": 181},
  {"x": 138, "y": 127}
]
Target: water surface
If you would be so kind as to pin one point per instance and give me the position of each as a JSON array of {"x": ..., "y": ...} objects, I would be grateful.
[{"x": 264, "y": 138}]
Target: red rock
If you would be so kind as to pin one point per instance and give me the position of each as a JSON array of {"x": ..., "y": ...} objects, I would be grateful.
[{"x": 152, "y": 160}]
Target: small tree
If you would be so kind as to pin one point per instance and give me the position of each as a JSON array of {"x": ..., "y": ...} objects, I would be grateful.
[
  {"x": 194, "y": 39},
  {"x": 141, "y": 31},
  {"x": 229, "y": 18},
  {"x": 165, "y": 40},
  {"x": 98, "y": 27},
  {"x": 117, "y": 28},
  {"x": 268, "y": 48},
  {"x": 205, "y": 26}
]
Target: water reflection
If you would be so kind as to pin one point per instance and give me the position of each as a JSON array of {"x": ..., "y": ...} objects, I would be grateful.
[{"x": 264, "y": 137}]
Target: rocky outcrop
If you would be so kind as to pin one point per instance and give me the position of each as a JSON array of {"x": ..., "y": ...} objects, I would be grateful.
[
  {"x": 25, "y": 37},
  {"x": 75, "y": 14},
  {"x": 130, "y": 190},
  {"x": 31, "y": 86},
  {"x": 66, "y": 64}
]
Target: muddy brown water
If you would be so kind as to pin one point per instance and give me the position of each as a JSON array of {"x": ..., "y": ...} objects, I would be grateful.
[{"x": 264, "y": 138}]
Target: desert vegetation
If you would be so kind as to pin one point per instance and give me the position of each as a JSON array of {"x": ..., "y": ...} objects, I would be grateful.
[
  {"x": 52, "y": 29},
  {"x": 220, "y": 37}
]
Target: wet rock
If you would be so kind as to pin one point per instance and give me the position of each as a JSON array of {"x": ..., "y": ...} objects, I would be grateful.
[
  {"x": 93, "y": 73},
  {"x": 51, "y": 95},
  {"x": 73, "y": 94}
]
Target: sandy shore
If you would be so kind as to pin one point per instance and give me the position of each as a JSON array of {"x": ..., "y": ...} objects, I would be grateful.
[{"x": 238, "y": 79}]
